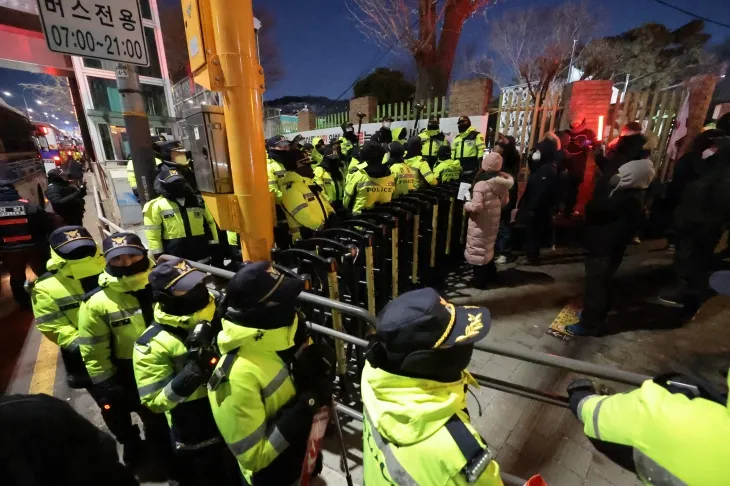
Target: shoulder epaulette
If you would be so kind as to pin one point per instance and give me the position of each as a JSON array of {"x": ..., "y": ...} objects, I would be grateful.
[
  {"x": 223, "y": 370},
  {"x": 88, "y": 295},
  {"x": 32, "y": 284}
]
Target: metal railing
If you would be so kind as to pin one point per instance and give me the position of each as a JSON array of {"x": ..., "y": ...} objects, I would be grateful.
[{"x": 104, "y": 223}]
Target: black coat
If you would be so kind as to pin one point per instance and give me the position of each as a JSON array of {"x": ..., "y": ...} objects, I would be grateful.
[
  {"x": 543, "y": 191},
  {"x": 611, "y": 222},
  {"x": 45, "y": 441},
  {"x": 627, "y": 149},
  {"x": 705, "y": 202},
  {"x": 67, "y": 201}
]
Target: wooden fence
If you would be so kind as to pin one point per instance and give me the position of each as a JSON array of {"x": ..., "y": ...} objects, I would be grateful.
[
  {"x": 656, "y": 111},
  {"x": 405, "y": 111},
  {"x": 525, "y": 118}
]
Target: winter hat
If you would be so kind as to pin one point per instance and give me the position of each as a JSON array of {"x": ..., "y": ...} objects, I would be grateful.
[
  {"x": 492, "y": 162},
  {"x": 444, "y": 152},
  {"x": 636, "y": 174}
]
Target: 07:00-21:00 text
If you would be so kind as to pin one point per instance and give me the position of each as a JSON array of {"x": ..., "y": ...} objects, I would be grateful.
[{"x": 84, "y": 40}]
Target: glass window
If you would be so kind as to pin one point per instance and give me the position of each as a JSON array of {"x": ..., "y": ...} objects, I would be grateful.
[
  {"x": 104, "y": 94},
  {"x": 106, "y": 141},
  {"x": 154, "y": 100},
  {"x": 153, "y": 70},
  {"x": 144, "y": 6}
]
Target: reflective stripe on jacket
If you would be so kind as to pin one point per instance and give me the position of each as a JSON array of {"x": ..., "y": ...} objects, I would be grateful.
[
  {"x": 405, "y": 438},
  {"x": 431, "y": 141},
  {"x": 276, "y": 172},
  {"x": 363, "y": 191},
  {"x": 676, "y": 440},
  {"x": 447, "y": 170},
  {"x": 333, "y": 189},
  {"x": 14, "y": 224},
  {"x": 257, "y": 386},
  {"x": 131, "y": 178},
  {"x": 303, "y": 205},
  {"x": 405, "y": 178},
  {"x": 424, "y": 175},
  {"x": 57, "y": 298},
  {"x": 469, "y": 144},
  {"x": 178, "y": 230},
  {"x": 110, "y": 322}
]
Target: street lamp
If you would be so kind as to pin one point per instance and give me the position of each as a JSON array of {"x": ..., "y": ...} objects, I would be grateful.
[
  {"x": 30, "y": 110},
  {"x": 38, "y": 102},
  {"x": 67, "y": 122},
  {"x": 8, "y": 94}
]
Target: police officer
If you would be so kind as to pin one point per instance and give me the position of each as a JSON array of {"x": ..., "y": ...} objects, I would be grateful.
[
  {"x": 24, "y": 229},
  {"x": 180, "y": 160},
  {"x": 350, "y": 142},
  {"x": 385, "y": 133},
  {"x": 317, "y": 150},
  {"x": 420, "y": 167},
  {"x": 400, "y": 134},
  {"x": 416, "y": 426},
  {"x": 330, "y": 176},
  {"x": 372, "y": 184},
  {"x": 431, "y": 139},
  {"x": 671, "y": 431},
  {"x": 305, "y": 206},
  {"x": 276, "y": 146},
  {"x": 176, "y": 222},
  {"x": 132, "y": 178},
  {"x": 263, "y": 418},
  {"x": 73, "y": 270},
  {"x": 405, "y": 179},
  {"x": 468, "y": 147},
  {"x": 447, "y": 169},
  {"x": 67, "y": 200},
  {"x": 173, "y": 360},
  {"x": 111, "y": 319}
]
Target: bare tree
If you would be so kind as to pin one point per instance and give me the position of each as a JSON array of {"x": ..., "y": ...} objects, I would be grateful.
[
  {"x": 429, "y": 30},
  {"x": 54, "y": 94},
  {"x": 535, "y": 44}
]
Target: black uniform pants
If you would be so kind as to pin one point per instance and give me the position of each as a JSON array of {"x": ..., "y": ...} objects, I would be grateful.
[
  {"x": 693, "y": 261},
  {"x": 600, "y": 270},
  {"x": 539, "y": 227},
  {"x": 214, "y": 465},
  {"x": 16, "y": 262},
  {"x": 118, "y": 417}
]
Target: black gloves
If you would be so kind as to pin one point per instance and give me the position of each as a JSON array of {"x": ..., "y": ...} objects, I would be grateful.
[
  {"x": 577, "y": 391},
  {"x": 188, "y": 380},
  {"x": 314, "y": 374},
  {"x": 109, "y": 394}
]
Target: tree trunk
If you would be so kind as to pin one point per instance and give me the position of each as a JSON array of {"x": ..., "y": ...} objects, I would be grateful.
[{"x": 430, "y": 81}]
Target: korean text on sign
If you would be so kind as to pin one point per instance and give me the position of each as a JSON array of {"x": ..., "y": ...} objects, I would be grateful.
[{"x": 101, "y": 29}]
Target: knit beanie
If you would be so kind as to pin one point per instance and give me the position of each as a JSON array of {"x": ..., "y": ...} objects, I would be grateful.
[{"x": 636, "y": 174}]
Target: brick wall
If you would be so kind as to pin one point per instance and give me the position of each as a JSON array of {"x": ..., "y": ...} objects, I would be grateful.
[
  {"x": 588, "y": 99},
  {"x": 700, "y": 95},
  {"x": 470, "y": 97},
  {"x": 307, "y": 120},
  {"x": 367, "y": 105}
]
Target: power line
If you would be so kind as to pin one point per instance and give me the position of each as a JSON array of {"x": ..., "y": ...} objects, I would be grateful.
[{"x": 691, "y": 14}]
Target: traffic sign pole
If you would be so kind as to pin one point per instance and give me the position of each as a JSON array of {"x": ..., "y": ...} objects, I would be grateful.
[{"x": 138, "y": 131}]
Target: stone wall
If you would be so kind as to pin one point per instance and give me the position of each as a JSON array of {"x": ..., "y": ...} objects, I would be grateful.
[
  {"x": 586, "y": 99},
  {"x": 367, "y": 105}
]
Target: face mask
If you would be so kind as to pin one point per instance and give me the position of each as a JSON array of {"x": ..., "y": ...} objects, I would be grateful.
[
  {"x": 180, "y": 159},
  {"x": 187, "y": 304},
  {"x": 462, "y": 128},
  {"x": 349, "y": 130},
  {"x": 433, "y": 126},
  {"x": 536, "y": 156},
  {"x": 130, "y": 270},
  {"x": 706, "y": 154},
  {"x": 386, "y": 125},
  {"x": 177, "y": 189},
  {"x": 86, "y": 267},
  {"x": 319, "y": 148}
]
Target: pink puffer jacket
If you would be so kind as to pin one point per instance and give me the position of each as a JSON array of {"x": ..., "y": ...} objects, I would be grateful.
[{"x": 485, "y": 209}]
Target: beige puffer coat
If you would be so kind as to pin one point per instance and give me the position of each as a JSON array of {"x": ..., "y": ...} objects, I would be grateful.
[{"x": 485, "y": 208}]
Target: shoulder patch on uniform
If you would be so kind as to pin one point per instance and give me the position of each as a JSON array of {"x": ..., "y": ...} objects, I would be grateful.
[
  {"x": 88, "y": 295},
  {"x": 472, "y": 135},
  {"x": 223, "y": 370},
  {"x": 148, "y": 335}
]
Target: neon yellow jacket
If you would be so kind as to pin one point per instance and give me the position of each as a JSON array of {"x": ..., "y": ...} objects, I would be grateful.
[
  {"x": 405, "y": 178},
  {"x": 431, "y": 141},
  {"x": 469, "y": 144},
  {"x": 676, "y": 440},
  {"x": 57, "y": 296},
  {"x": 316, "y": 156},
  {"x": 346, "y": 147},
  {"x": 400, "y": 134},
  {"x": 447, "y": 170},
  {"x": 110, "y": 321},
  {"x": 165, "y": 227},
  {"x": 131, "y": 178},
  {"x": 302, "y": 205},
  {"x": 405, "y": 440},
  {"x": 363, "y": 191},
  {"x": 256, "y": 387},
  {"x": 333, "y": 189},
  {"x": 275, "y": 171},
  {"x": 424, "y": 175}
]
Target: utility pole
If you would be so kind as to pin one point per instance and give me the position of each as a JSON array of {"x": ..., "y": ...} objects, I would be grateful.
[{"x": 138, "y": 131}]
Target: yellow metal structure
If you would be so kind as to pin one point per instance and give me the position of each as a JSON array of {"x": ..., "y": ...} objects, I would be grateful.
[{"x": 226, "y": 60}]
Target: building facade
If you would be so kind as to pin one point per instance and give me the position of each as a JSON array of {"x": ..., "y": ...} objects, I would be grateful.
[{"x": 101, "y": 100}]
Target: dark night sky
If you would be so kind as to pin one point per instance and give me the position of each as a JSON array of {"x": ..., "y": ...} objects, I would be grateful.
[{"x": 323, "y": 52}]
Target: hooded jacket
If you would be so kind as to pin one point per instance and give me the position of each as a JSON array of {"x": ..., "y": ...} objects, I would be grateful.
[
  {"x": 489, "y": 194},
  {"x": 542, "y": 191},
  {"x": 57, "y": 296},
  {"x": 159, "y": 356},
  {"x": 110, "y": 321},
  {"x": 371, "y": 184},
  {"x": 419, "y": 165},
  {"x": 405, "y": 439},
  {"x": 400, "y": 134},
  {"x": 447, "y": 169},
  {"x": 576, "y": 143},
  {"x": 316, "y": 154},
  {"x": 254, "y": 406},
  {"x": 67, "y": 200},
  {"x": 405, "y": 178},
  {"x": 304, "y": 203},
  {"x": 276, "y": 171}
]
